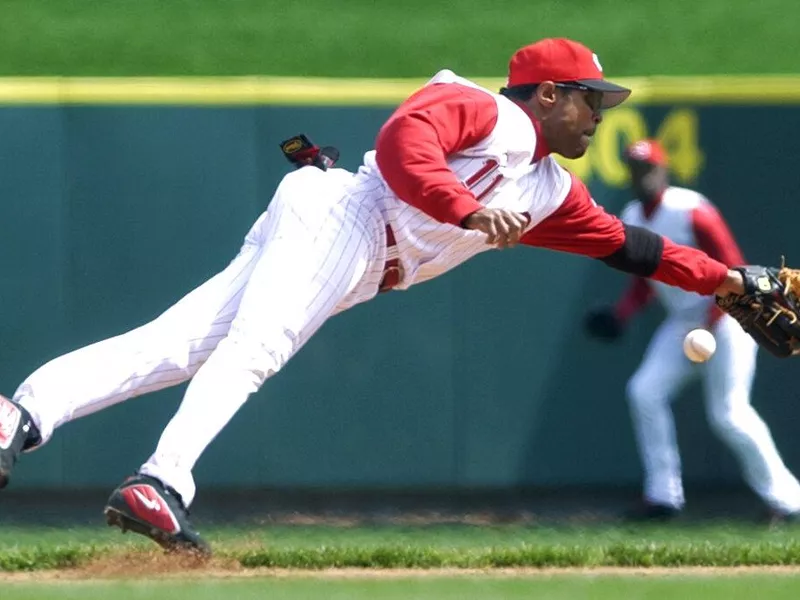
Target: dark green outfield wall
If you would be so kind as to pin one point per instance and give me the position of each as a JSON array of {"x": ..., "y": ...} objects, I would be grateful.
[{"x": 481, "y": 378}]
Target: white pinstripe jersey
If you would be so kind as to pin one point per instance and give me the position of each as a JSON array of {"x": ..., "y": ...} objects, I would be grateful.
[{"x": 499, "y": 172}]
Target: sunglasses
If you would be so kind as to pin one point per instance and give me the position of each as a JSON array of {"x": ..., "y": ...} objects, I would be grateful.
[
  {"x": 573, "y": 86},
  {"x": 597, "y": 96}
]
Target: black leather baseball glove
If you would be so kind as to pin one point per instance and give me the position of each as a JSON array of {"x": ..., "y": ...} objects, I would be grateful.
[{"x": 769, "y": 309}]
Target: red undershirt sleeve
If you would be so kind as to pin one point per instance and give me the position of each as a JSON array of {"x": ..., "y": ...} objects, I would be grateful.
[
  {"x": 635, "y": 298},
  {"x": 714, "y": 237},
  {"x": 580, "y": 226},
  {"x": 413, "y": 145},
  {"x": 689, "y": 269}
]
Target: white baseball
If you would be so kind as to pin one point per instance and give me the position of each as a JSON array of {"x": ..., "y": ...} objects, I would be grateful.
[{"x": 699, "y": 345}]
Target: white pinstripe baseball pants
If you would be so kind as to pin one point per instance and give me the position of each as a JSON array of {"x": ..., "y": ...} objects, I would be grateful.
[{"x": 316, "y": 251}]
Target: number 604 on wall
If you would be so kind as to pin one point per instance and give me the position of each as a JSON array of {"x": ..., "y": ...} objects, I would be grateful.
[{"x": 677, "y": 132}]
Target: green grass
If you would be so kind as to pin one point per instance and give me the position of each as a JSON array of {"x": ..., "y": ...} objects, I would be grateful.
[
  {"x": 438, "y": 588},
  {"x": 372, "y": 38},
  {"x": 317, "y": 547},
  {"x": 437, "y": 536}
]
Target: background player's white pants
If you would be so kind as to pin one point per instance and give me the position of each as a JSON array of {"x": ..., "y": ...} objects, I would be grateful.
[
  {"x": 728, "y": 377},
  {"x": 316, "y": 251}
]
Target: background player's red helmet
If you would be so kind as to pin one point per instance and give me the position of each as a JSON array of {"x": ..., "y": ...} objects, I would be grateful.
[{"x": 648, "y": 151}]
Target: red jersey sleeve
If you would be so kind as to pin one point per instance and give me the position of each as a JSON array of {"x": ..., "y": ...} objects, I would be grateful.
[
  {"x": 413, "y": 145},
  {"x": 714, "y": 237},
  {"x": 580, "y": 226},
  {"x": 689, "y": 269},
  {"x": 637, "y": 296}
]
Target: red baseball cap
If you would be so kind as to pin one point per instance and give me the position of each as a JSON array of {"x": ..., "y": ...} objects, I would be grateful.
[
  {"x": 648, "y": 151},
  {"x": 563, "y": 61}
]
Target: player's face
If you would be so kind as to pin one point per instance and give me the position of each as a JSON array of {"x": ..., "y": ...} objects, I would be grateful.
[
  {"x": 573, "y": 121},
  {"x": 647, "y": 180}
]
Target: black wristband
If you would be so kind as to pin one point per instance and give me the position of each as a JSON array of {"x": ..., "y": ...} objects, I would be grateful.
[{"x": 640, "y": 254}]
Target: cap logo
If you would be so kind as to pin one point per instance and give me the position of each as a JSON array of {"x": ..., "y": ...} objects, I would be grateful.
[
  {"x": 597, "y": 62},
  {"x": 640, "y": 151}
]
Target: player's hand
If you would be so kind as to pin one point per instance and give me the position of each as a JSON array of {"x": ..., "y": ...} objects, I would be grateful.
[
  {"x": 733, "y": 284},
  {"x": 502, "y": 227}
]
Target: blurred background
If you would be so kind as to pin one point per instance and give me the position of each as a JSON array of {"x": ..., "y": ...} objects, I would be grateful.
[{"x": 139, "y": 141}]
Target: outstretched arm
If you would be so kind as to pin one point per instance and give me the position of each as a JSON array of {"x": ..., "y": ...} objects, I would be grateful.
[{"x": 580, "y": 226}]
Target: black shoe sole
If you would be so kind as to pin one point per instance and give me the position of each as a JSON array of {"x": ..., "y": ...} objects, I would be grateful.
[
  {"x": 636, "y": 520},
  {"x": 115, "y": 518},
  {"x": 654, "y": 517},
  {"x": 3, "y": 480}
]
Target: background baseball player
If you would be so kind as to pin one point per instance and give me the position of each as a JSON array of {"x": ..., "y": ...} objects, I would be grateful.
[
  {"x": 457, "y": 170},
  {"x": 688, "y": 218}
]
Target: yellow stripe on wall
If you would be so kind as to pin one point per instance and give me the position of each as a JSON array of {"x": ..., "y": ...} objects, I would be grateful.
[{"x": 222, "y": 91}]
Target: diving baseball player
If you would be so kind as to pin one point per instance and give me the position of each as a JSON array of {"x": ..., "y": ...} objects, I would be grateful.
[
  {"x": 457, "y": 170},
  {"x": 688, "y": 218}
]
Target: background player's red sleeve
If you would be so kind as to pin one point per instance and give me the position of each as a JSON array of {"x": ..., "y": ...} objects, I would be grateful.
[
  {"x": 413, "y": 145},
  {"x": 714, "y": 237},
  {"x": 580, "y": 226},
  {"x": 635, "y": 298}
]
